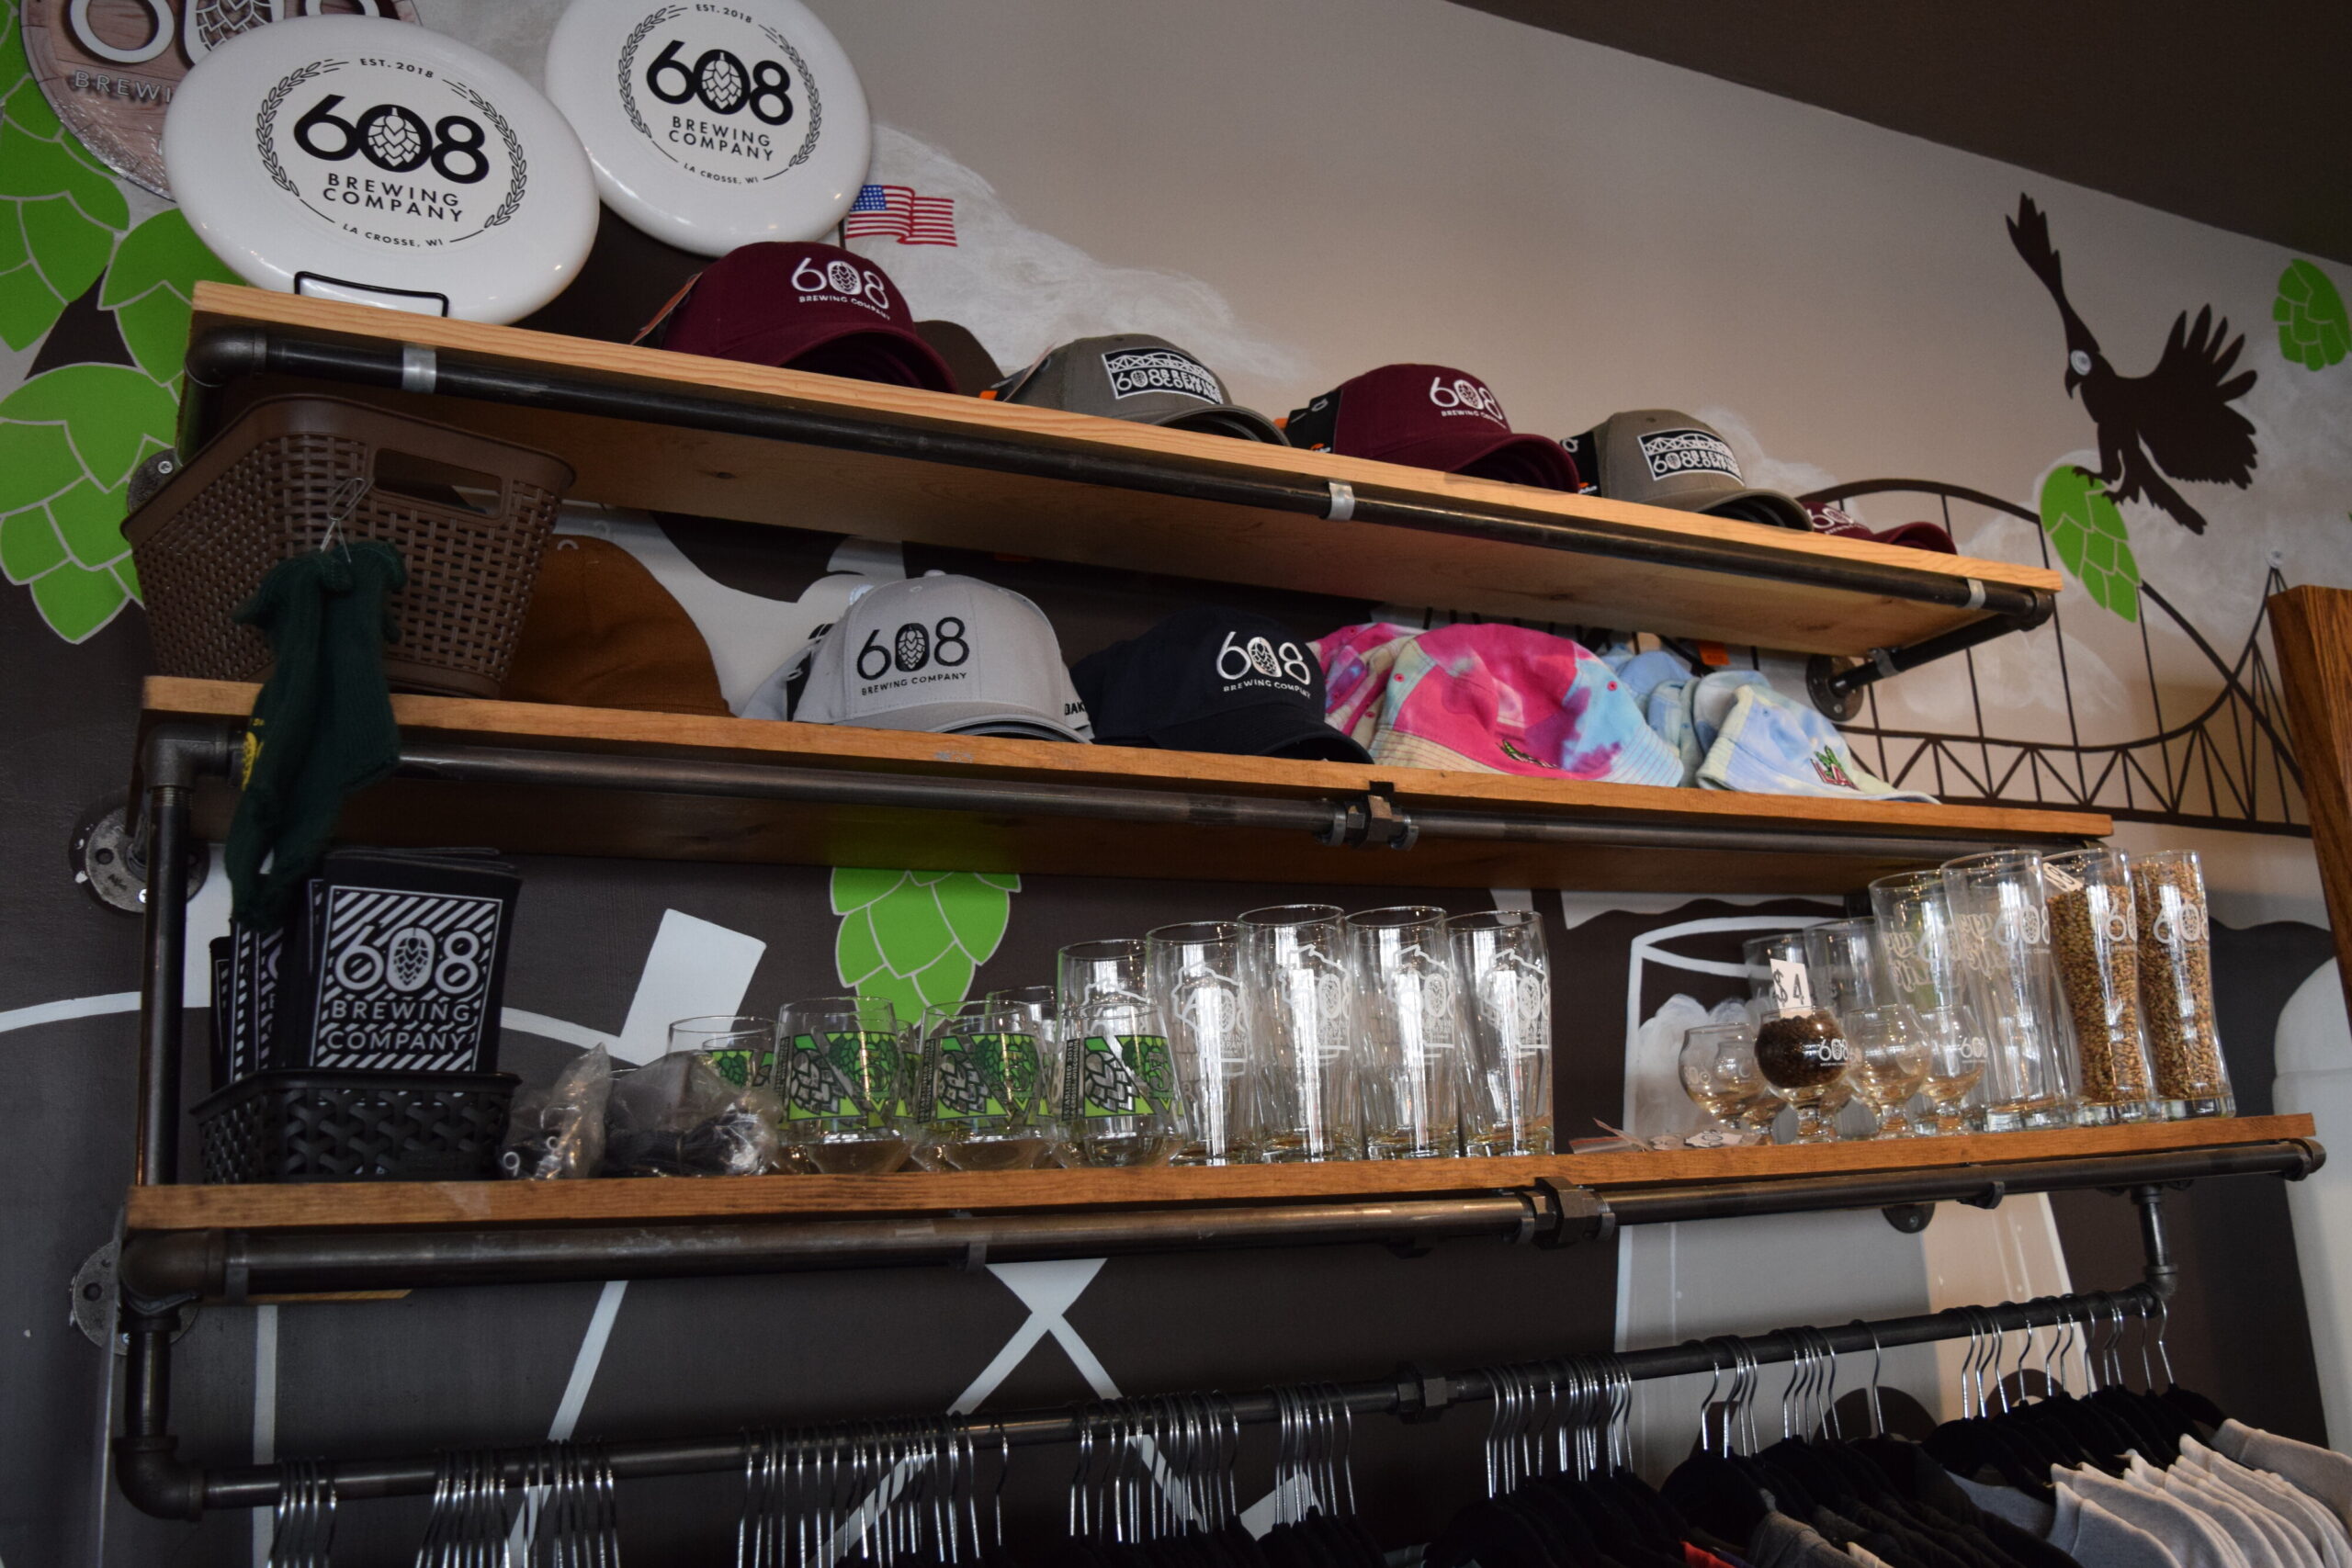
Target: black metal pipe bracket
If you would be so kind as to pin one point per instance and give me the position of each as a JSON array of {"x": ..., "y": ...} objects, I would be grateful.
[
  {"x": 156, "y": 1480},
  {"x": 229, "y": 353}
]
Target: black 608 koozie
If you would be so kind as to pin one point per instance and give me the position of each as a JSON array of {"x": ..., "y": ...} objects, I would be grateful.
[{"x": 398, "y": 963}]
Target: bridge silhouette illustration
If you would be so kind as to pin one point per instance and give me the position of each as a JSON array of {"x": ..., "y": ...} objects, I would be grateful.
[{"x": 2229, "y": 764}]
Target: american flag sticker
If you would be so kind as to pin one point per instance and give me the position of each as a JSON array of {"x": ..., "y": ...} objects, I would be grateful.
[{"x": 896, "y": 212}]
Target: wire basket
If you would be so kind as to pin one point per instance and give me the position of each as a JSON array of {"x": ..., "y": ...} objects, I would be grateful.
[
  {"x": 468, "y": 514},
  {"x": 305, "y": 1124}
]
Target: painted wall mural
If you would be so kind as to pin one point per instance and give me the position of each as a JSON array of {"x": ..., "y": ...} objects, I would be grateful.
[
  {"x": 72, "y": 434},
  {"x": 2152, "y": 693}
]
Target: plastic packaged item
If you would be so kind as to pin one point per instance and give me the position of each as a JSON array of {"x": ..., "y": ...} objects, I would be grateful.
[
  {"x": 678, "y": 1117},
  {"x": 557, "y": 1132}
]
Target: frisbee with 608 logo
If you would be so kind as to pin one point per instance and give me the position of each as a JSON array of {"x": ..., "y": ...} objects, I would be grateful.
[
  {"x": 355, "y": 158},
  {"x": 713, "y": 123}
]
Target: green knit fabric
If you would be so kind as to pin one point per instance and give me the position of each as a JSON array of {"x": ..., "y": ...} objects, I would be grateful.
[{"x": 323, "y": 724}]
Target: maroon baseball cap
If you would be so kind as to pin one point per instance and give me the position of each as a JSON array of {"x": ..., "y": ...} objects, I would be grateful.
[
  {"x": 1429, "y": 416},
  {"x": 806, "y": 308},
  {"x": 1836, "y": 520}
]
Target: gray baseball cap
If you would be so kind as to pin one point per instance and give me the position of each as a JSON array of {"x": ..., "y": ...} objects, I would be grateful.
[
  {"x": 1662, "y": 457},
  {"x": 1137, "y": 376},
  {"x": 943, "y": 654}
]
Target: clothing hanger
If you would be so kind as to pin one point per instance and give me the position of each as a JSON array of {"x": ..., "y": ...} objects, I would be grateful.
[{"x": 303, "y": 1521}]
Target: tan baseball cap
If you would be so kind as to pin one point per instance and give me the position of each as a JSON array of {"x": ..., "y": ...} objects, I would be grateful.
[
  {"x": 603, "y": 632},
  {"x": 1664, "y": 457}
]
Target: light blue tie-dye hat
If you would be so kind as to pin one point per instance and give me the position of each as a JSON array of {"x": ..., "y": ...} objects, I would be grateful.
[{"x": 1776, "y": 745}]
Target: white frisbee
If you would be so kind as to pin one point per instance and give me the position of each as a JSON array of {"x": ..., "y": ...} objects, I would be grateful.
[
  {"x": 713, "y": 123},
  {"x": 364, "y": 159}
]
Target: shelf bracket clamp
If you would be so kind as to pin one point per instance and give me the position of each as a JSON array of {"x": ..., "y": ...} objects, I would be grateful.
[
  {"x": 1386, "y": 827},
  {"x": 1421, "y": 1397},
  {"x": 1578, "y": 1214},
  {"x": 1994, "y": 1192},
  {"x": 1343, "y": 502},
  {"x": 420, "y": 368}
]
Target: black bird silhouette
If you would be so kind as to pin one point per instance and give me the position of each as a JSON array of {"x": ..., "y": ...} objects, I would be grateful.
[{"x": 2176, "y": 420}]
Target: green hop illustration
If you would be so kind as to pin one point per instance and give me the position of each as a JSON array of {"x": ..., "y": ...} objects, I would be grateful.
[
  {"x": 60, "y": 210},
  {"x": 2313, "y": 329},
  {"x": 69, "y": 439},
  {"x": 914, "y": 938},
  {"x": 2088, "y": 532},
  {"x": 155, "y": 270}
]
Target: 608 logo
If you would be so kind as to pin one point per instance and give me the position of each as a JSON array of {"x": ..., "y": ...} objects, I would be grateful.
[
  {"x": 721, "y": 83},
  {"x": 1467, "y": 396},
  {"x": 913, "y": 647},
  {"x": 864, "y": 286},
  {"x": 396, "y": 139},
  {"x": 1237, "y": 659}
]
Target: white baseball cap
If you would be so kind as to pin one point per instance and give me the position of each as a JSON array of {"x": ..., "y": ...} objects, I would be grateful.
[{"x": 941, "y": 653}]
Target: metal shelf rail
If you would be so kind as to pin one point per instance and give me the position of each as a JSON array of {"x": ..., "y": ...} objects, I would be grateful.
[
  {"x": 162, "y": 1270},
  {"x": 157, "y": 1481},
  {"x": 226, "y": 354}
]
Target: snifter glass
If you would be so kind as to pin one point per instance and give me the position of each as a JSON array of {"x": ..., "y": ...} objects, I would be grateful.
[{"x": 1799, "y": 1046}]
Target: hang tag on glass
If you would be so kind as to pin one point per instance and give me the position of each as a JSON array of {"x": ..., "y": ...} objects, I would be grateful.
[{"x": 1792, "y": 986}]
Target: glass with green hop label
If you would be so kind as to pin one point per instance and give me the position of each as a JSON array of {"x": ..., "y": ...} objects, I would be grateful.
[
  {"x": 985, "y": 1105},
  {"x": 841, "y": 1069},
  {"x": 740, "y": 1049},
  {"x": 1119, "y": 1093}
]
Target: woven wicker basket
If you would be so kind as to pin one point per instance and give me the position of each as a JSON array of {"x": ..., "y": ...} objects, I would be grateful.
[{"x": 468, "y": 514}]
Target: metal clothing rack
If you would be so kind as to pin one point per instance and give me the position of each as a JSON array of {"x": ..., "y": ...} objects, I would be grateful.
[
  {"x": 188, "y": 1492},
  {"x": 1547, "y": 1204}
]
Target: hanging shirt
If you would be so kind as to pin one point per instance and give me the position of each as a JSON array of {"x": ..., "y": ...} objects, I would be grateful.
[
  {"x": 2262, "y": 1539},
  {"x": 2324, "y": 1530},
  {"x": 2097, "y": 1538},
  {"x": 2029, "y": 1513},
  {"x": 1781, "y": 1542},
  {"x": 2188, "y": 1535},
  {"x": 2321, "y": 1473}
]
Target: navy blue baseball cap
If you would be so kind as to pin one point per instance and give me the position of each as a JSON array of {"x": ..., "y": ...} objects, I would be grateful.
[{"x": 1212, "y": 678}]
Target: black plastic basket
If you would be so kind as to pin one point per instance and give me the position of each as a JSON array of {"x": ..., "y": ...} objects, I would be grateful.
[{"x": 307, "y": 1125}]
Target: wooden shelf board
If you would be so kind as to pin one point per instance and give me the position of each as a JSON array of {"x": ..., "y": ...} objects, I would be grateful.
[
  {"x": 632, "y": 464},
  {"x": 679, "y": 826},
  {"x": 361, "y": 1205}
]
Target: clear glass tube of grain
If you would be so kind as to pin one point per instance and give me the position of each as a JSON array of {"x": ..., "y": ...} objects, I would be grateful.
[{"x": 2177, "y": 986}]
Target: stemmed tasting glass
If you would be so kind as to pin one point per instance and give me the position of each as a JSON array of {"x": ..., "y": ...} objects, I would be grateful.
[
  {"x": 841, "y": 1072},
  {"x": 1890, "y": 1063},
  {"x": 1719, "y": 1073},
  {"x": 1799, "y": 1046},
  {"x": 1956, "y": 1054}
]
